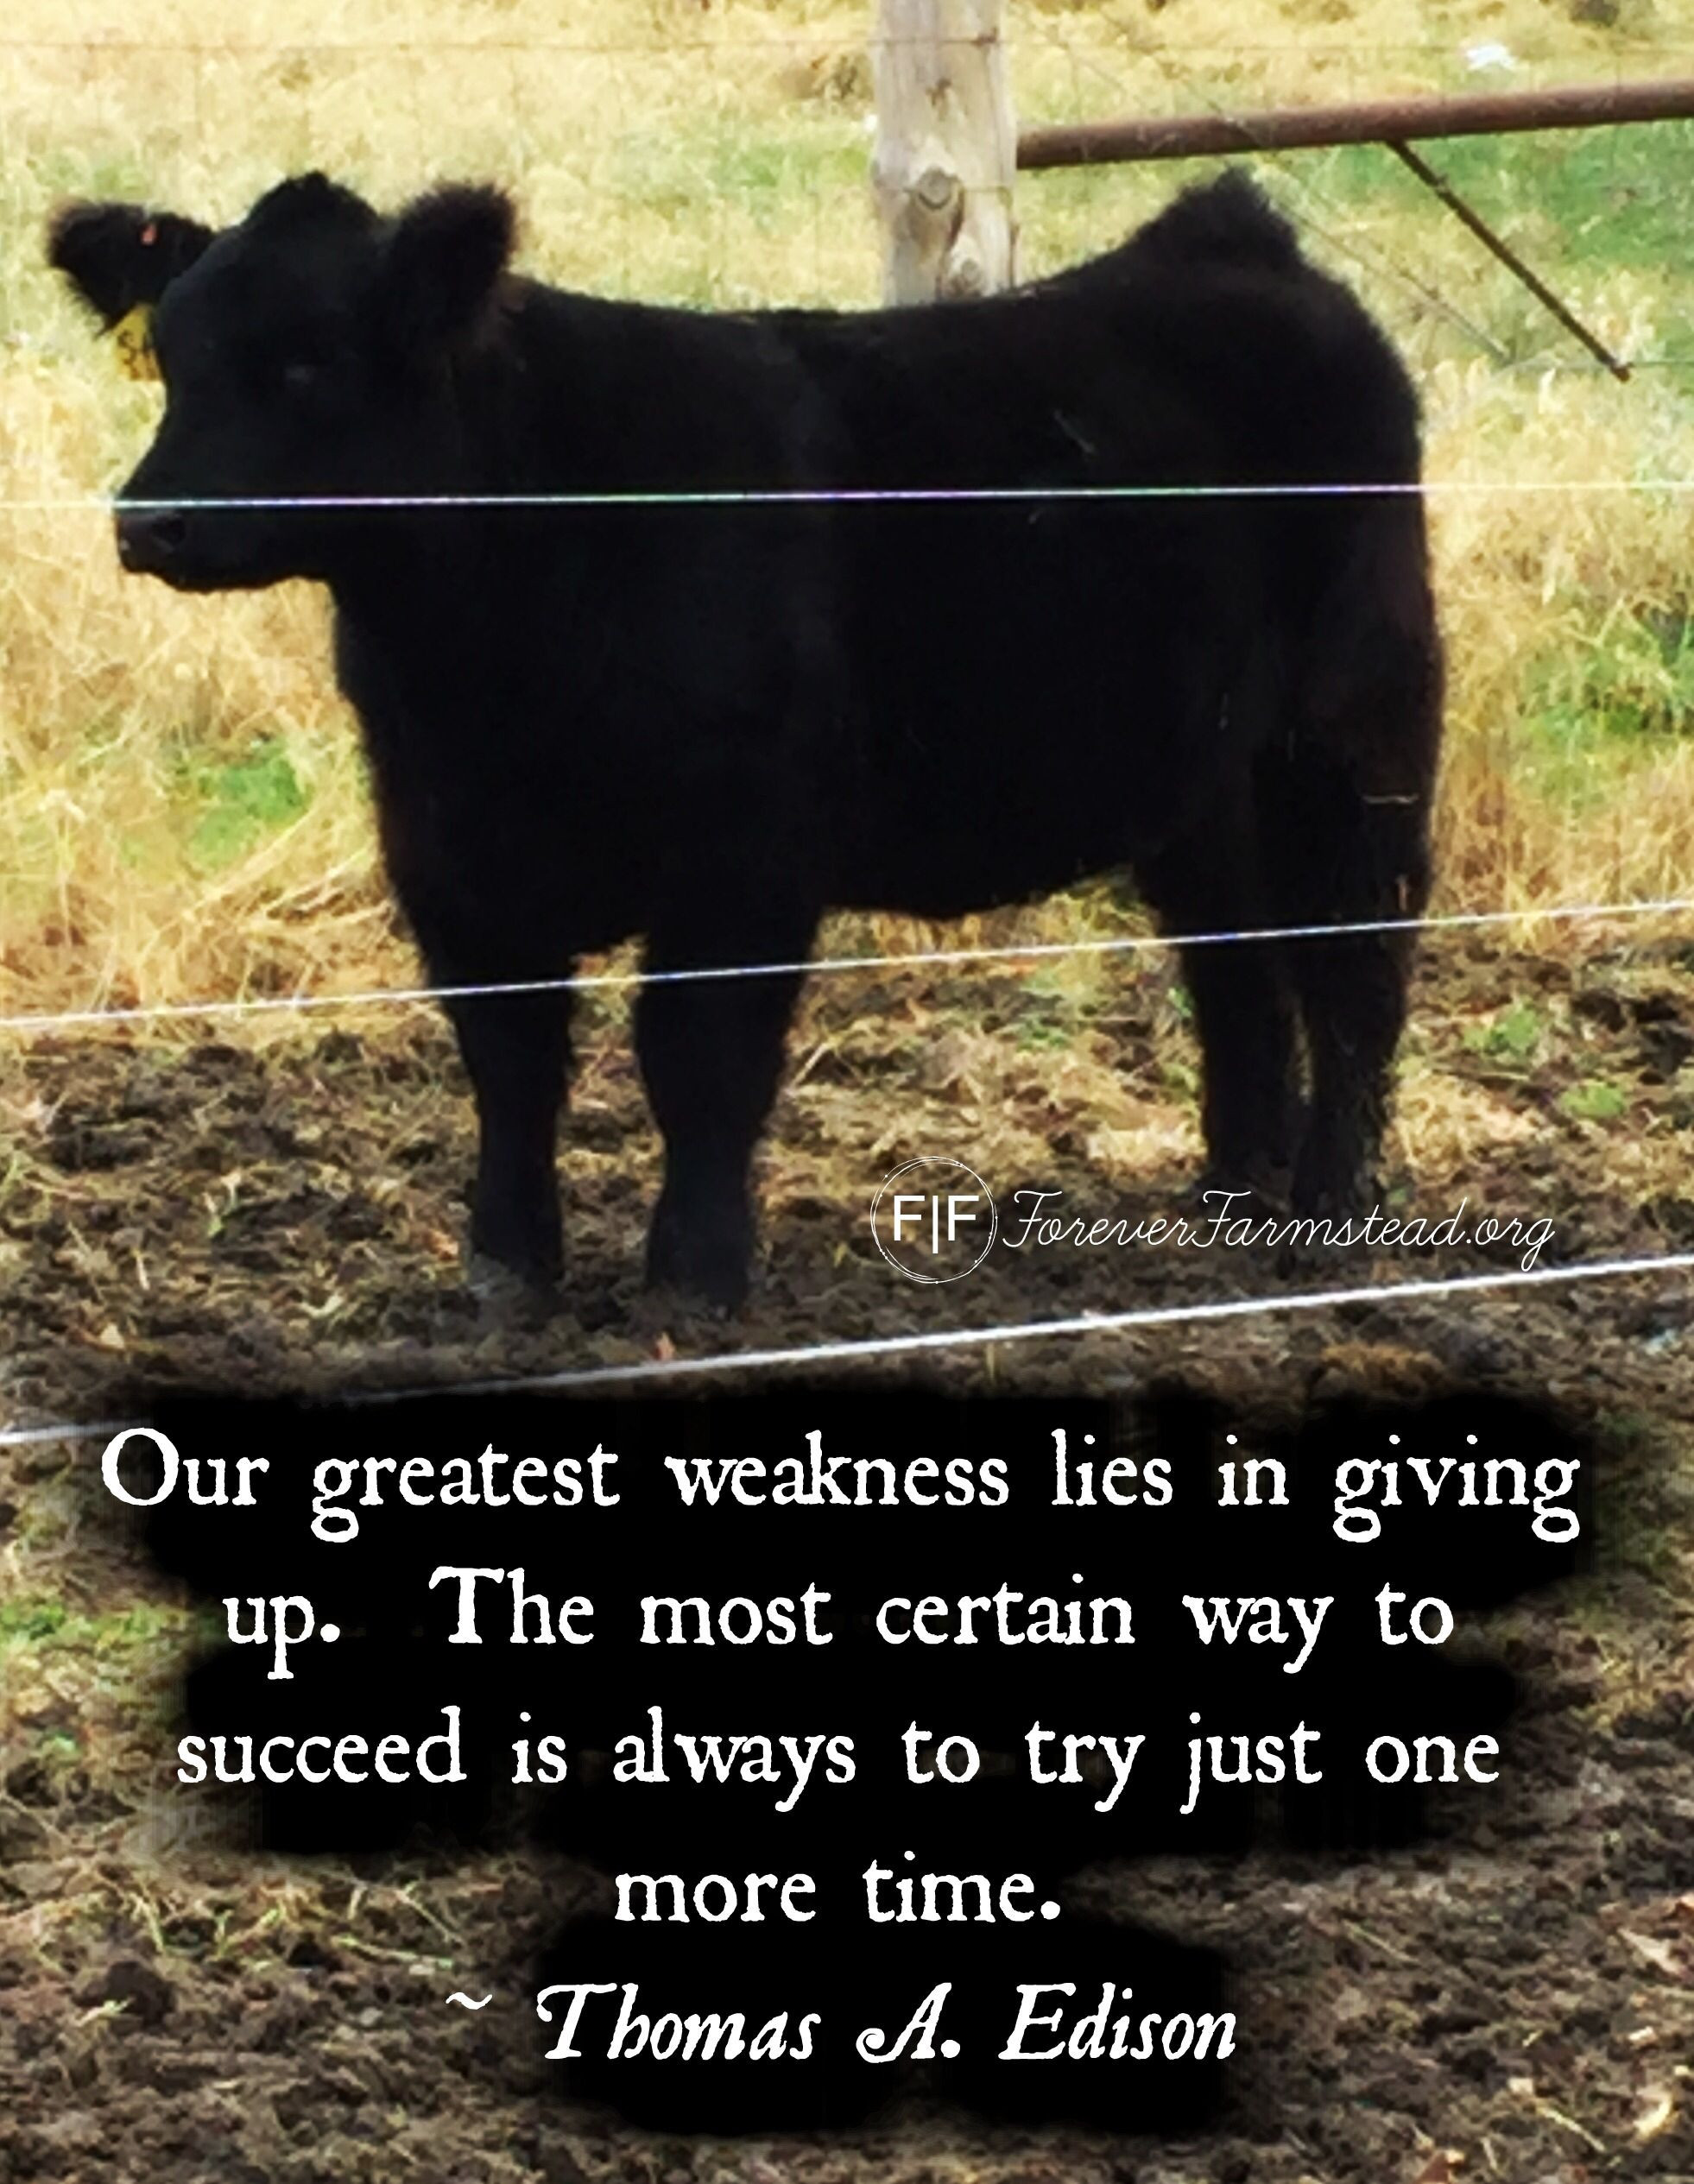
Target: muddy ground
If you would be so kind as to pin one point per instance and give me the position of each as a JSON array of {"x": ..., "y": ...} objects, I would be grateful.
[
  {"x": 290, "y": 1208},
  {"x": 1514, "y": 2001}
]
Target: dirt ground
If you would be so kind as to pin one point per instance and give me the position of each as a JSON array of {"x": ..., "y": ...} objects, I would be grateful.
[
  {"x": 1514, "y": 2001},
  {"x": 290, "y": 1211}
]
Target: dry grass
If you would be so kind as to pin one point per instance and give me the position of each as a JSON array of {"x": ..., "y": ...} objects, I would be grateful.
[{"x": 182, "y": 809}]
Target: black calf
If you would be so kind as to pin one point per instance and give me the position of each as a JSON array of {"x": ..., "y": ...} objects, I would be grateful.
[{"x": 707, "y": 724}]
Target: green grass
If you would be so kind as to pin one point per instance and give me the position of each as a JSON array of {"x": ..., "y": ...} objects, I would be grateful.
[
  {"x": 48, "y": 1624},
  {"x": 771, "y": 178},
  {"x": 1632, "y": 678},
  {"x": 1515, "y": 1035},
  {"x": 1573, "y": 197},
  {"x": 1601, "y": 704},
  {"x": 1594, "y": 1100},
  {"x": 236, "y": 805}
]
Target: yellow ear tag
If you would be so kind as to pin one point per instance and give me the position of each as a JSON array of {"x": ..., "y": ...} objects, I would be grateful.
[{"x": 133, "y": 336}]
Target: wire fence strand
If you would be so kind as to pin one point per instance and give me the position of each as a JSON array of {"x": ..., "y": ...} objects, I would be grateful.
[
  {"x": 653, "y": 1372},
  {"x": 907, "y": 959},
  {"x": 852, "y": 495}
]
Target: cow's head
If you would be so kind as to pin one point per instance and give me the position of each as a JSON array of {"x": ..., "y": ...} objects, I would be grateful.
[{"x": 307, "y": 356}]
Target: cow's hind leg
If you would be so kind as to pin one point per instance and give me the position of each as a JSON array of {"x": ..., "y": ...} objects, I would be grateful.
[
  {"x": 516, "y": 1053},
  {"x": 1207, "y": 884},
  {"x": 710, "y": 1052},
  {"x": 1340, "y": 855},
  {"x": 1343, "y": 798}
]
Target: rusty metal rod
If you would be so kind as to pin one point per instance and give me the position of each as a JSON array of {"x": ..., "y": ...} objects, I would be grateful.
[
  {"x": 1509, "y": 258},
  {"x": 1386, "y": 121}
]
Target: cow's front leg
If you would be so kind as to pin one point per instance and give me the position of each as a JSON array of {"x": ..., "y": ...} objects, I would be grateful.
[
  {"x": 711, "y": 1054},
  {"x": 516, "y": 1050}
]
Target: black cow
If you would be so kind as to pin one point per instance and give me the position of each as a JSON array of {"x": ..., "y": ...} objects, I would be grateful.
[{"x": 882, "y": 681}]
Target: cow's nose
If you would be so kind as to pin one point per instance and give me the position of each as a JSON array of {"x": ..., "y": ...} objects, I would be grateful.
[{"x": 151, "y": 539}]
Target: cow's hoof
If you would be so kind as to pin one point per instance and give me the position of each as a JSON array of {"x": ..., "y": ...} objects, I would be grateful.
[
  {"x": 706, "y": 1262},
  {"x": 1229, "y": 1195},
  {"x": 1302, "y": 1257},
  {"x": 511, "y": 1296},
  {"x": 693, "y": 1270},
  {"x": 1326, "y": 1238},
  {"x": 709, "y": 1287}
]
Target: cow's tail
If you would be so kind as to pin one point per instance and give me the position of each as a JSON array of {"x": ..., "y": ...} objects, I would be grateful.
[
  {"x": 1342, "y": 796},
  {"x": 1369, "y": 693}
]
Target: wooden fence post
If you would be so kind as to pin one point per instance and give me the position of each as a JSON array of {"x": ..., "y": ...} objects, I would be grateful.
[{"x": 945, "y": 159}]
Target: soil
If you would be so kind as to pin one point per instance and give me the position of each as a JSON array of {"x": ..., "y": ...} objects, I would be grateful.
[
  {"x": 290, "y": 1212},
  {"x": 1514, "y": 2001}
]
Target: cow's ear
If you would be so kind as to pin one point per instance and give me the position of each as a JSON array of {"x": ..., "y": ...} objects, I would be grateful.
[
  {"x": 444, "y": 259},
  {"x": 118, "y": 255}
]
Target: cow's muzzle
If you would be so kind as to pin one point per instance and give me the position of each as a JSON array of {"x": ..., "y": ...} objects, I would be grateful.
[{"x": 150, "y": 541}]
